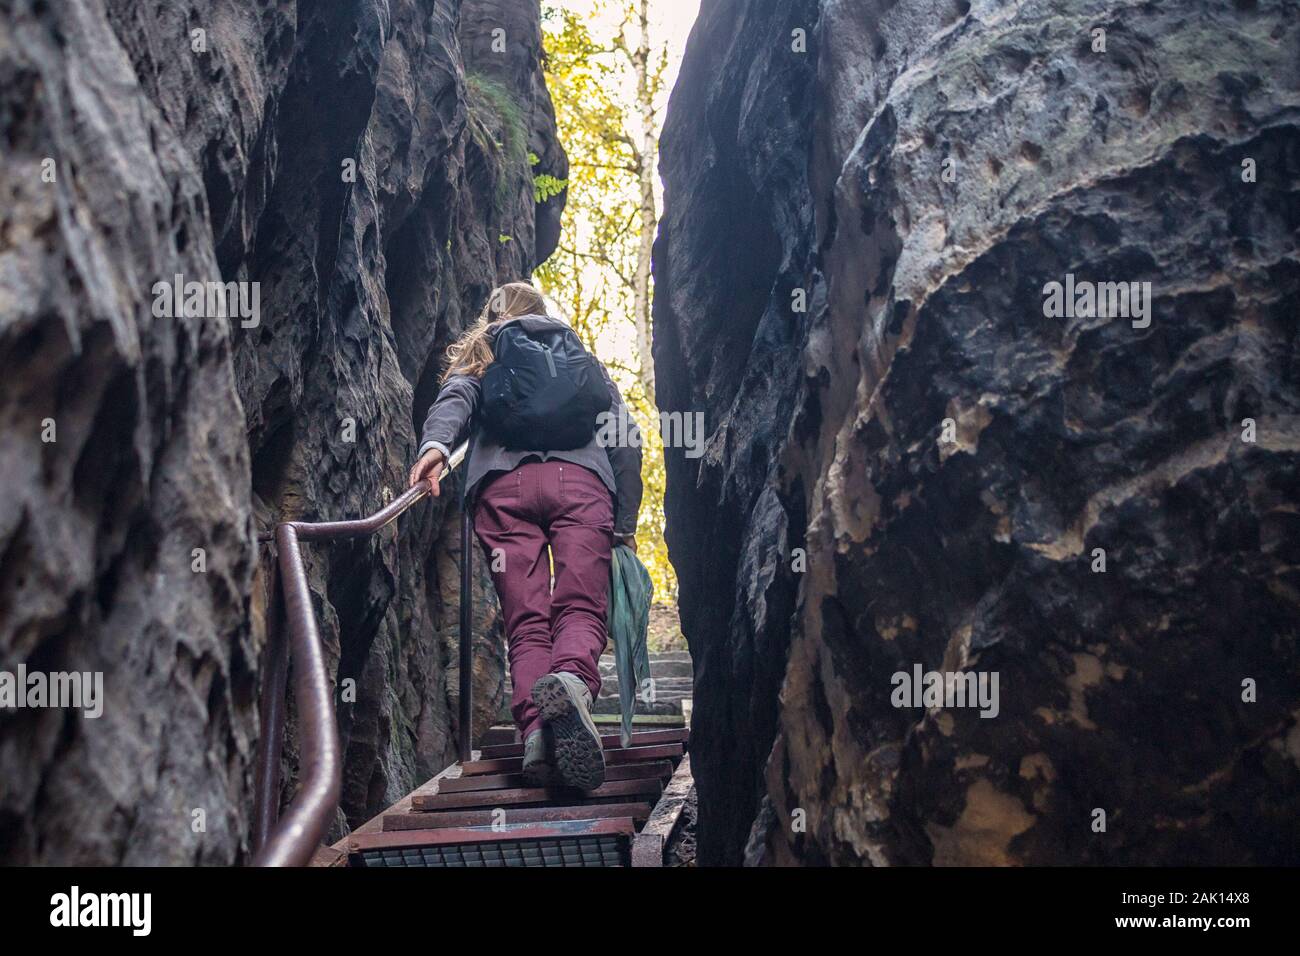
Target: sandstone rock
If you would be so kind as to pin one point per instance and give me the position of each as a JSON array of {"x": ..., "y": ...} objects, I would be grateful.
[
  {"x": 1123, "y": 690},
  {"x": 331, "y": 154}
]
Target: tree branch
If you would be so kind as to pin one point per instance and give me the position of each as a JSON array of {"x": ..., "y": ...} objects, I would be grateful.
[
  {"x": 634, "y": 170},
  {"x": 603, "y": 260}
]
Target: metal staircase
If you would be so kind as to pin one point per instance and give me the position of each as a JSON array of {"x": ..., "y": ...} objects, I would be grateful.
[{"x": 477, "y": 812}]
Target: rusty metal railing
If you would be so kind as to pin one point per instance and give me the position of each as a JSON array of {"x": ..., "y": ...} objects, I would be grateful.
[{"x": 291, "y": 839}]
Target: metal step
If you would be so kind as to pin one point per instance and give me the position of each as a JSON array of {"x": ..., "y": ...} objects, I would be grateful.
[
  {"x": 661, "y": 769},
  {"x": 429, "y": 820},
  {"x": 608, "y": 741},
  {"x": 506, "y": 734},
  {"x": 479, "y": 814},
  {"x": 612, "y": 758},
  {"x": 641, "y": 790},
  {"x": 567, "y": 843}
]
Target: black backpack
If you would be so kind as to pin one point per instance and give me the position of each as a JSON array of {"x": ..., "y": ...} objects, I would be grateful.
[{"x": 543, "y": 390}]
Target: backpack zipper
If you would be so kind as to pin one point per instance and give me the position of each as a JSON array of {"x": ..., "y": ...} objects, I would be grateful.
[{"x": 550, "y": 361}]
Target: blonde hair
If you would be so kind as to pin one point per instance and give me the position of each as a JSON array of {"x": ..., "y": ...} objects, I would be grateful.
[{"x": 471, "y": 354}]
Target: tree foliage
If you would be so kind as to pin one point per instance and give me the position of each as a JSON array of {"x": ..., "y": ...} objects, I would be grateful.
[{"x": 593, "y": 274}]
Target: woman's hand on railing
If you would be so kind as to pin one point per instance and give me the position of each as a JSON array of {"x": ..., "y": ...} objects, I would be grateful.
[{"x": 430, "y": 466}]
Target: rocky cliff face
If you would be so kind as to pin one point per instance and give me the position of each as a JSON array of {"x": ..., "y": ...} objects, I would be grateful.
[
  {"x": 367, "y": 166},
  {"x": 851, "y": 279}
]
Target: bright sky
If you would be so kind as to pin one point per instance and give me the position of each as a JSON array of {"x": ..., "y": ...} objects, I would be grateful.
[{"x": 670, "y": 22}]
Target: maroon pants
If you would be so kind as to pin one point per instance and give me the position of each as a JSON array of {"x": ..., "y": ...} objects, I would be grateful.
[{"x": 518, "y": 514}]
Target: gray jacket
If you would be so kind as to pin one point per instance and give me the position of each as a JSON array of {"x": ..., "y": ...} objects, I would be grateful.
[{"x": 618, "y": 462}]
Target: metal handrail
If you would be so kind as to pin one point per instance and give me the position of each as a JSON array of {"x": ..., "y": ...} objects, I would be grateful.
[{"x": 291, "y": 839}]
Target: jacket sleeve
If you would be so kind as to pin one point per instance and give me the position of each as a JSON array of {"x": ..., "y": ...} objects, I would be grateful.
[
  {"x": 451, "y": 414},
  {"x": 625, "y": 460}
]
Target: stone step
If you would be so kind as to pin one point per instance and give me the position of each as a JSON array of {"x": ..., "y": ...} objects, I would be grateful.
[
  {"x": 671, "y": 655},
  {"x": 609, "y": 705},
  {"x": 657, "y": 668},
  {"x": 661, "y": 686},
  {"x": 654, "y": 655}
]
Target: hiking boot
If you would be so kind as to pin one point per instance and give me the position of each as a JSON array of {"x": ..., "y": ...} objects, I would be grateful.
[
  {"x": 538, "y": 770},
  {"x": 565, "y": 705}
]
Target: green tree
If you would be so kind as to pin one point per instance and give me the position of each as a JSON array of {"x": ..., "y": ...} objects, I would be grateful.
[{"x": 606, "y": 91}]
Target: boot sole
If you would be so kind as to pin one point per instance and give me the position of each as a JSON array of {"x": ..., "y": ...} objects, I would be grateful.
[
  {"x": 579, "y": 757},
  {"x": 541, "y": 776}
]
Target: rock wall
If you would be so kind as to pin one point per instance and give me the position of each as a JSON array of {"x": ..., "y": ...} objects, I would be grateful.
[
  {"x": 955, "y": 457},
  {"x": 367, "y": 165}
]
